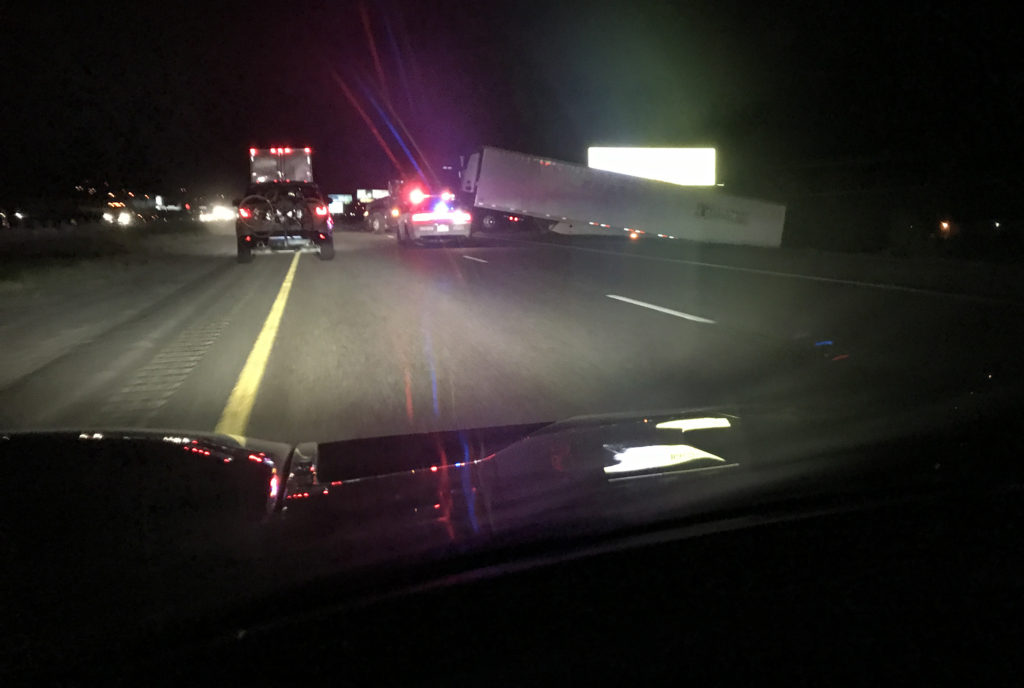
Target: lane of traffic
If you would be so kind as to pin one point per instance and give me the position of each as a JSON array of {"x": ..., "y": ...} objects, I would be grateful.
[
  {"x": 422, "y": 339},
  {"x": 907, "y": 339},
  {"x": 171, "y": 366}
]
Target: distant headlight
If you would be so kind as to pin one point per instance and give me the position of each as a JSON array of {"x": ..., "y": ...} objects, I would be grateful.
[
  {"x": 124, "y": 218},
  {"x": 108, "y": 217},
  {"x": 217, "y": 213}
]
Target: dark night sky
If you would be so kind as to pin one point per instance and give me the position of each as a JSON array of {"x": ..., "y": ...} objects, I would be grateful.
[{"x": 167, "y": 95}]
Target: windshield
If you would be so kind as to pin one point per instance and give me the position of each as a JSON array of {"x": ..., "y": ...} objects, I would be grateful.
[{"x": 652, "y": 214}]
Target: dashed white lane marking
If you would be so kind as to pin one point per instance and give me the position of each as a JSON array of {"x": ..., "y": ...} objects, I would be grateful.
[
  {"x": 479, "y": 260},
  {"x": 773, "y": 273},
  {"x": 661, "y": 309}
]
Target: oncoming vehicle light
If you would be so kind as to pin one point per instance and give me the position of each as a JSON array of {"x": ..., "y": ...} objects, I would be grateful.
[
  {"x": 395, "y": 212},
  {"x": 416, "y": 196}
]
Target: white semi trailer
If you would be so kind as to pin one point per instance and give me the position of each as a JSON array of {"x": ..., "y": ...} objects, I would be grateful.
[{"x": 577, "y": 199}]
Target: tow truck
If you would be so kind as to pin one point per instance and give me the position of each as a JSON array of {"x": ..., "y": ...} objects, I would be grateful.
[
  {"x": 283, "y": 209},
  {"x": 381, "y": 214}
]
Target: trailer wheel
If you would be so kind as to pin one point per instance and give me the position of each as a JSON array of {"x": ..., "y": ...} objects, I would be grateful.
[{"x": 489, "y": 222}]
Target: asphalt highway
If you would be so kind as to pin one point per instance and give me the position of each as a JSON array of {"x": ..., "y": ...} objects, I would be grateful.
[{"x": 390, "y": 340}]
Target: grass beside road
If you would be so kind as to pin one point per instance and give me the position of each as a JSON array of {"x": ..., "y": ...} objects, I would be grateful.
[{"x": 25, "y": 251}]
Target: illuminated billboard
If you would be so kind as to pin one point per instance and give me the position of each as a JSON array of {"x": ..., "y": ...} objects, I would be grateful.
[
  {"x": 337, "y": 203},
  {"x": 368, "y": 195},
  {"x": 683, "y": 166}
]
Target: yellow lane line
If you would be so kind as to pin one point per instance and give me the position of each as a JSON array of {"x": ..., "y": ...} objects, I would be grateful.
[{"x": 236, "y": 414}]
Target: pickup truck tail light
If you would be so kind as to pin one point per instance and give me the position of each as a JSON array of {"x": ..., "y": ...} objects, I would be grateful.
[
  {"x": 244, "y": 213},
  {"x": 320, "y": 210}
]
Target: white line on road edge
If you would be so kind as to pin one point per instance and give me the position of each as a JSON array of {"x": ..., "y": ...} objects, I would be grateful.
[
  {"x": 661, "y": 309},
  {"x": 479, "y": 260},
  {"x": 236, "y": 413}
]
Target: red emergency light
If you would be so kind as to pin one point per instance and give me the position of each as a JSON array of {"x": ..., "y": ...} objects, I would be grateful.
[{"x": 416, "y": 196}]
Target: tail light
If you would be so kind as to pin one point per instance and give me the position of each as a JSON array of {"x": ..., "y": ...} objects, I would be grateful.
[
  {"x": 273, "y": 151},
  {"x": 320, "y": 210},
  {"x": 288, "y": 150},
  {"x": 244, "y": 213},
  {"x": 252, "y": 152},
  {"x": 423, "y": 217},
  {"x": 308, "y": 150},
  {"x": 461, "y": 217}
]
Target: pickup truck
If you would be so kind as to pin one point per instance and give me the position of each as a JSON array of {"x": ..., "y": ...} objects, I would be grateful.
[{"x": 282, "y": 208}]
